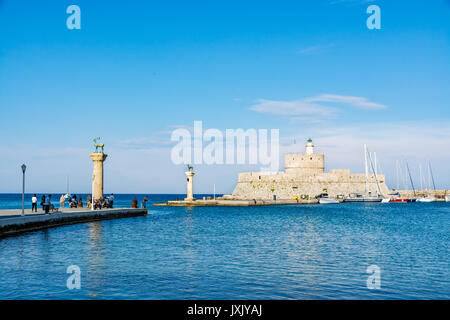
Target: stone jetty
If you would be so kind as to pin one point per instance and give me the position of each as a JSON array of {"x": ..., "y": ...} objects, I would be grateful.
[
  {"x": 233, "y": 203},
  {"x": 12, "y": 223}
]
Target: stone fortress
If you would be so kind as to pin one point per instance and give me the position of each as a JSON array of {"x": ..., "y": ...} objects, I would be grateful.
[{"x": 304, "y": 176}]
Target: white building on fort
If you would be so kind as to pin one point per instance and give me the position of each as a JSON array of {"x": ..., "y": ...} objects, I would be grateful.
[{"x": 305, "y": 175}]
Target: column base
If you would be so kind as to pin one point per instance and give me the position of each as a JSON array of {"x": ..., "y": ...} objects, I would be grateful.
[{"x": 189, "y": 199}]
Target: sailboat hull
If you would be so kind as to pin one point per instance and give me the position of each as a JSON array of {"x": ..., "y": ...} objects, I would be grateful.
[
  {"x": 401, "y": 200},
  {"x": 427, "y": 199},
  {"x": 362, "y": 199},
  {"x": 328, "y": 201}
]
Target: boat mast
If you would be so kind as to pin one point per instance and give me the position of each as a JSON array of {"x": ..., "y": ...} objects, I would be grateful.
[
  {"x": 405, "y": 177},
  {"x": 431, "y": 174},
  {"x": 398, "y": 174},
  {"x": 409, "y": 174},
  {"x": 374, "y": 172},
  {"x": 421, "y": 176},
  {"x": 376, "y": 163},
  {"x": 367, "y": 169}
]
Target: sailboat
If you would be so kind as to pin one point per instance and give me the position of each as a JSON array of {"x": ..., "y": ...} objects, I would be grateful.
[
  {"x": 67, "y": 195},
  {"x": 324, "y": 198},
  {"x": 367, "y": 197},
  {"x": 397, "y": 197},
  {"x": 429, "y": 198}
]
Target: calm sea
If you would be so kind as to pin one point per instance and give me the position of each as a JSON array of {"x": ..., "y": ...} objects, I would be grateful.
[{"x": 273, "y": 252}]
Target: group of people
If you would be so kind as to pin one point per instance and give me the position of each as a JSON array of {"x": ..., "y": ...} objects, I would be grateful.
[
  {"x": 134, "y": 203},
  {"x": 77, "y": 202},
  {"x": 46, "y": 203},
  {"x": 106, "y": 202},
  {"x": 74, "y": 201}
]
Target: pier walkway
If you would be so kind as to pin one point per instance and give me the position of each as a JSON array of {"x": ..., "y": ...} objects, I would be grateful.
[{"x": 12, "y": 223}]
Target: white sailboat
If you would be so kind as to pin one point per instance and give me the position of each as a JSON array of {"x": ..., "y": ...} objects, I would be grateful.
[
  {"x": 429, "y": 198},
  {"x": 367, "y": 197},
  {"x": 67, "y": 195},
  {"x": 324, "y": 198}
]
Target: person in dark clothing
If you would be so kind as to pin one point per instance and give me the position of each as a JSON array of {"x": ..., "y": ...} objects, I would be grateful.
[
  {"x": 43, "y": 202},
  {"x": 47, "y": 204},
  {"x": 74, "y": 201},
  {"x": 111, "y": 200},
  {"x": 144, "y": 202},
  {"x": 134, "y": 203}
]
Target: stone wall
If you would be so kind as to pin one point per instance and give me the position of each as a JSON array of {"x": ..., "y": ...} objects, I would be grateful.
[
  {"x": 439, "y": 194},
  {"x": 263, "y": 185}
]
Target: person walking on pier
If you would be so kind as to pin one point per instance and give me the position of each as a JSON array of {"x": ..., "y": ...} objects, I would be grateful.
[
  {"x": 47, "y": 204},
  {"x": 89, "y": 201},
  {"x": 34, "y": 203},
  {"x": 62, "y": 200},
  {"x": 80, "y": 202},
  {"x": 134, "y": 203},
  {"x": 144, "y": 202},
  {"x": 73, "y": 202},
  {"x": 43, "y": 202},
  {"x": 111, "y": 200}
]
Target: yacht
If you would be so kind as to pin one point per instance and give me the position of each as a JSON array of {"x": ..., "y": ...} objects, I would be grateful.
[
  {"x": 427, "y": 199},
  {"x": 367, "y": 197},
  {"x": 325, "y": 199},
  {"x": 362, "y": 198}
]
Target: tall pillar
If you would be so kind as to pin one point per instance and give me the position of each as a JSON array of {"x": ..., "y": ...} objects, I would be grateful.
[
  {"x": 97, "y": 175},
  {"x": 190, "y": 186}
]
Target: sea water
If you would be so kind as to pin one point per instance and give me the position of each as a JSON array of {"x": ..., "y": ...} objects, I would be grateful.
[{"x": 266, "y": 252}]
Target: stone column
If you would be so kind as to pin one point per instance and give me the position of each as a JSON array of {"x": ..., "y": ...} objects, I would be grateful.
[
  {"x": 97, "y": 175},
  {"x": 190, "y": 186}
]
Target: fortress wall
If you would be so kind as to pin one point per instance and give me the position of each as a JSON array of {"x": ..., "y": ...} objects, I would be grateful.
[
  {"x": 259, "y": 186},
  {"x": 343, "y": 172},
  {"x": 304, "y": 175}
]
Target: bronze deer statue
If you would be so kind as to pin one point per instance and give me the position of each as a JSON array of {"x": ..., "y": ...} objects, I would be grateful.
[{"x": 98, "y": 145}]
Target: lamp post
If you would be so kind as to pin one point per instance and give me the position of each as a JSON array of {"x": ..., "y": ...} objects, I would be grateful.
[{"x": 24, "y": 167}]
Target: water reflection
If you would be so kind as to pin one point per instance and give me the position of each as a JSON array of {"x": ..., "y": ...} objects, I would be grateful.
[
  {"x": 95, "y": 277},
  {"x": 292, "y": 252}
]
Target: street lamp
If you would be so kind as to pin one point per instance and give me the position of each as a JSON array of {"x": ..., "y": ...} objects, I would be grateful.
[{"x": 24, "y": 167}]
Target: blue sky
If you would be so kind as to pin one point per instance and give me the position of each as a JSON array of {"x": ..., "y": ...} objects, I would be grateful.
[{"x": 136, "y": 70}]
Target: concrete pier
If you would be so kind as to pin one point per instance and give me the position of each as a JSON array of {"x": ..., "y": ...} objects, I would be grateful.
[
  {"x": 12, "y": 223},
  {"x": 234, "y": 203}
]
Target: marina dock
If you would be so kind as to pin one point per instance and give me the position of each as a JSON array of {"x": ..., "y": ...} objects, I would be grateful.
[{"x": 12, "y": 222}]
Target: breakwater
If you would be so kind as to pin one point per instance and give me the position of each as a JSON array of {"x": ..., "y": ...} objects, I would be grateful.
[
  {"x": 233, "y": 203},
  {"x": 12, "y": 223},
  {"x": 438, "y": 194}
]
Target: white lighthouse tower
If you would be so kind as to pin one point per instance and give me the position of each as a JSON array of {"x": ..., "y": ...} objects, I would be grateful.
[{"x": 309, "y": 147}]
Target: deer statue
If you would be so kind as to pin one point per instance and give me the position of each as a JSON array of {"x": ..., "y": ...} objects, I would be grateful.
[
  {"x": 190, "y": 168},
  {"x": 98, "y": 145}
]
